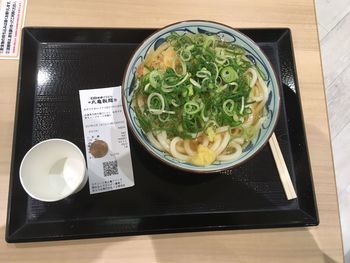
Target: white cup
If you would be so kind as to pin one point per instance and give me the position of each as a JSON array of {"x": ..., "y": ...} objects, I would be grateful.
[{"x": 52, "y": 170}]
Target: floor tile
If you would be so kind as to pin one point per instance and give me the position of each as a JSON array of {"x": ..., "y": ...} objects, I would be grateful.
[
  {"x": 330, "y": 12},
  {"x": 341, "y": 154},
  {"x": 335, "y": 50},
  {"x": 338, "y": 100},
  {"x": 322, "y": 32}
]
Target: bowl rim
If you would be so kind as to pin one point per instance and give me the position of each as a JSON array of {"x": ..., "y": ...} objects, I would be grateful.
[{"x": 218, "y": 169}]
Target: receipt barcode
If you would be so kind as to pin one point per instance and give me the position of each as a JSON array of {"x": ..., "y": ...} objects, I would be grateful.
[{"x": 110, "y": 168}]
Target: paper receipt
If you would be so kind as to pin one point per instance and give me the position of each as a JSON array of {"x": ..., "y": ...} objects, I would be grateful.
[{"x": 106, "y": 140}]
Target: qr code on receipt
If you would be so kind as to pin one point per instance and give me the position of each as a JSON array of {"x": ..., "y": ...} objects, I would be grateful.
[{"x": 110, "y": 168}]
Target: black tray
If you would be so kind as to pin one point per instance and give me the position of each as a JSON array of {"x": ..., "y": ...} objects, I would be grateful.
[{"x": 57, "y": 62}]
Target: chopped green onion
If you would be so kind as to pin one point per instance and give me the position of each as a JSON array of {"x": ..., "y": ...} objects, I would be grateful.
[
  {"x": 203, "y": 86},
  {"x": 185, "y": 55},
  {"x": 192, "y": 107},
  {"x": 195, "y": 83},
  {"x": 147, "y": 87},
  {"x": 154, "y": 78},
  {"x": 228, "y": 74},
  {"x": 221, "y": 88},
  {"x": 228, "y": 107},
  {"x": 242, "y": 105},
  {"x": 180, "y": 82},
  {"x": 205, "y": 118},
  {"x": 203, "y": 73},
  {"x": 174, "y": 103},
  {"x": 190, "y": 90},
  {"x": 155, "y": 103}
]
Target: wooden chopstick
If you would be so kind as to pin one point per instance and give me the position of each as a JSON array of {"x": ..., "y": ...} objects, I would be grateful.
[{"x": 282, "y": 168}]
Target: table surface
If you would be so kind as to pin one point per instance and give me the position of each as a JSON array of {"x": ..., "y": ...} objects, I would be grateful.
[{"x": 314, "y": 244}]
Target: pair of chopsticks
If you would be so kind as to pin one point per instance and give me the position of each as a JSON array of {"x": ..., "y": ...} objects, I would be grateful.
[{"x": 282, "y": 168}]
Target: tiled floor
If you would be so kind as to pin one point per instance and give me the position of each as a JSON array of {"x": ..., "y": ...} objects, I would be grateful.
[{"x": 333, "y": 17}]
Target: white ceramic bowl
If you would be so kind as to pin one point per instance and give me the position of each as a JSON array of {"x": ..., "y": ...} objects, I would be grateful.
[
  {"x": 52, "y": 170},
  {"x": 228, "y": 34}
]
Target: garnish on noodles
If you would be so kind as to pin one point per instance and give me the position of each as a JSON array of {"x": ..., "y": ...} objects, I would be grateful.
[{"x": 199, "y": 98}]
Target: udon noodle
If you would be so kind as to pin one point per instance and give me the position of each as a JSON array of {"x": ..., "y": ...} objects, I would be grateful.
[{"x": 199, "y": 98}]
